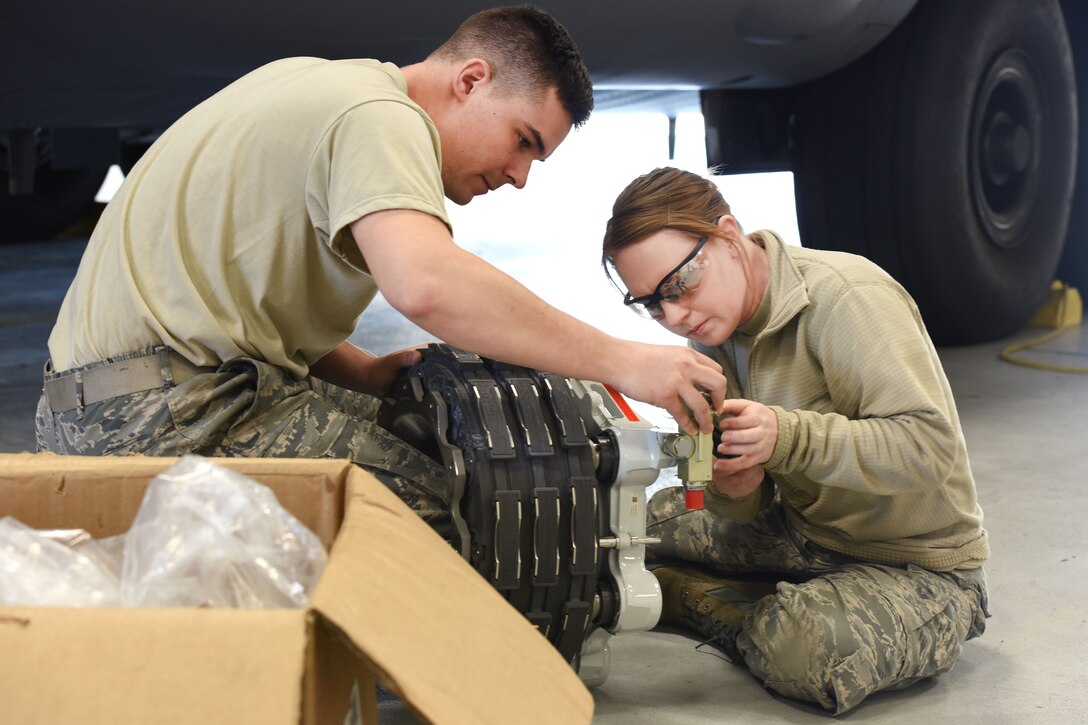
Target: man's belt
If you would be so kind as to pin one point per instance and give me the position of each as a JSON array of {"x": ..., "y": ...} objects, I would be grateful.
[{"x": 132, "y": 375}]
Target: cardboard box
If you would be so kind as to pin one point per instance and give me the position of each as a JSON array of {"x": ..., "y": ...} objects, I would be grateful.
[{"x": 396, "y": 605}]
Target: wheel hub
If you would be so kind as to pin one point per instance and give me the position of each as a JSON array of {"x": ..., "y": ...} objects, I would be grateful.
[
  {"x": 1005, "y": 138},
  {"x": 1008, "y": 148}
]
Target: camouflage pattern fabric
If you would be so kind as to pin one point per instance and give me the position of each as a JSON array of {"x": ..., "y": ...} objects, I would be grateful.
[
  {"x": 249, "y": 408},
  {"x": 835, "y": 629}
]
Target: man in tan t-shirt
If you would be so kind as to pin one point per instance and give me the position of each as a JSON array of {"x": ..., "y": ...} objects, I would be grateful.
[{"x": 211, "y": 311}]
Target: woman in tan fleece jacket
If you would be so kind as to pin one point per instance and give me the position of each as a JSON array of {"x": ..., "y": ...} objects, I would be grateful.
[{"x": 843, "y": 509}]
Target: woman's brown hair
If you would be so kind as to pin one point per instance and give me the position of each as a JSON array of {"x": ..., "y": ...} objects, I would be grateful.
[{"x": 665, "y": 198}]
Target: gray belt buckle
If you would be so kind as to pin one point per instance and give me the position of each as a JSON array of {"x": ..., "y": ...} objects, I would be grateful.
[{"x": 61, "y": 393}]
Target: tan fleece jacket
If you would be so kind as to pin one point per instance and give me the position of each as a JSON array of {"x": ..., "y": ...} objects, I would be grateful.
[{"x": 870, "y": 460}]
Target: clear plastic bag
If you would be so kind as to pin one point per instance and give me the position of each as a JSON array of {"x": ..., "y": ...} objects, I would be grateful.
[
  {"x": 208, "y": 536},
  {"x": 62, "y": 568}
]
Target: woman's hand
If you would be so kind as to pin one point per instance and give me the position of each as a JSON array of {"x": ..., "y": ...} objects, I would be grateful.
[
  {"x": 749, "y": 434},
  {"x": 736, "y": 484}
]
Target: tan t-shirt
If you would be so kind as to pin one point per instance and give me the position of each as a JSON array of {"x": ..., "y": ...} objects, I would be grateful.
[{"x": 229, "y": 238}]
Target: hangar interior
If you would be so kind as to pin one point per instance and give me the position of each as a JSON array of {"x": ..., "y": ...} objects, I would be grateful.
[
  {"x": 1025, "y": 426},
  {"x": 1025, "y": 430}
]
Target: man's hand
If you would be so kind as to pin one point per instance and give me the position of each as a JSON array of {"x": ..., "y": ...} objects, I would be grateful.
[
  {"x": 749, "y": 432},
  {"x": 385, "y": 370},
  {"x": 354, "y": 368},
  {"x": 677, "y": 379}
]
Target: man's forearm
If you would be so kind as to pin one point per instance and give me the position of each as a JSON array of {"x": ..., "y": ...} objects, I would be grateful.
[
  {"x": 493, "y": 315},
  {"x": 461, "y": 299}
]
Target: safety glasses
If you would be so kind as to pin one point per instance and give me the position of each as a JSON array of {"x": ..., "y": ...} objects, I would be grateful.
[{"x": 681, "y": 282}]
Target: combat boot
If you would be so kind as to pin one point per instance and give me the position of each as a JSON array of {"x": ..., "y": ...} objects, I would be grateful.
[{"x": 711, "y": 606}]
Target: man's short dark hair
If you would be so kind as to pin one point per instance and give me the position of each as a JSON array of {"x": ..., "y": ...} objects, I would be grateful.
[{"x": 529, "y": 51}]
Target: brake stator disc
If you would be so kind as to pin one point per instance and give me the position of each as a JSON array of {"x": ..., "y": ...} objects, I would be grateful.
[{"x": 526, "y": 504}]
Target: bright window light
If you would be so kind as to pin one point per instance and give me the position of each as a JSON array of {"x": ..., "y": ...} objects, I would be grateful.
[
  {"x": 110, "y": 185},
  {"x": 548, "y": 235}
]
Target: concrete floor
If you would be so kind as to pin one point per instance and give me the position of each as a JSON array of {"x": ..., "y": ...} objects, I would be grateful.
[{"x": 1026, "y": 433}]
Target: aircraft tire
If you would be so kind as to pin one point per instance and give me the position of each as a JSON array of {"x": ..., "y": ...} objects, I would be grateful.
[{"x": 947, "y": 155}]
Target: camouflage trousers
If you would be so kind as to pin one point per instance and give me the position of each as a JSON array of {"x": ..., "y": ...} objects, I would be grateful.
[
  {"x": 816, "y": 625},
  {"x": 248, "y": 408}
]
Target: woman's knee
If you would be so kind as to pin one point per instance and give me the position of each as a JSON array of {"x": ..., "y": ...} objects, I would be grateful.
[
  {"x": 836, "y": 639},
  {"x": 792, "y": 641}
]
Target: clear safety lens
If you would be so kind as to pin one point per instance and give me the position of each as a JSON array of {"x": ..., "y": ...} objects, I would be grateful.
[{"x": 678, "y": 284}]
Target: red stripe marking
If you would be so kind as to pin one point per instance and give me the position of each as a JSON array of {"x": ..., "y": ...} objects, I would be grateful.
[{"x": 628, "y": 412}]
